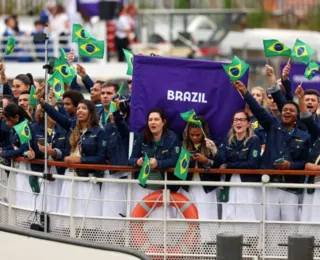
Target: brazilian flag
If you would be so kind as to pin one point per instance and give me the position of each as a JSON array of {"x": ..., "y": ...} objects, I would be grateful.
[
  {"x": 182, "y": 166},
  {"x": 66, "y": 71},
  {"x": 78, "y": 32},
  {"x": 23, "y": 131},
  {"x": 91, "y": 48},
  {"x": 302, "y": 52},
  {"x": 191, "y": 117},
  {"x": 311, "y": 70},
  {"x": 145, "y": 171},
  {"x": 33, "y": 97},
  {"x": 112, "y": 107},
  {"x": 129, "y": 58},
  {"x": 56, "y": 82},
  {"x": 63, "y": 54},
  {"x": 236, "y": 69},
  {"x": 275, "y": 48},
  {"x": 11, "y": 43}
]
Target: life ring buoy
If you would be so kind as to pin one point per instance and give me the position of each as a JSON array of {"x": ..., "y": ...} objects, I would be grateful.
[{"x": 154, "y": 200}]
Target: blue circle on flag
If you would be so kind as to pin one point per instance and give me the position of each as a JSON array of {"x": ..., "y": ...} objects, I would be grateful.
[
  {"x": 147, "y": 169},
  {"x": 64, "y": 70},
  {"x": 82, "y": 33},
  {"x": 184, "y": 163},
  {"x": 234, "y": 71},
  {"x": 313, "y": 73},
  {"x": 195, "y": 117},
  {"x": 301, "y": 50},
  {"x": 57, "y": 87},
  {"x": 278, "y": 47},
  {"x": 26, "y": 130},
  {"x": 90, "y": 48}
]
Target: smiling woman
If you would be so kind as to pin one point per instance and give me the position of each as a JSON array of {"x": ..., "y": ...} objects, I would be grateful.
[{"x": 162, "y": 147}]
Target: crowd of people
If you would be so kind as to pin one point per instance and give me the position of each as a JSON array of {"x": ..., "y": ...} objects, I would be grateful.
[
  {"x": 59, "y": 27},
  {"x": 272, "y": 132}
]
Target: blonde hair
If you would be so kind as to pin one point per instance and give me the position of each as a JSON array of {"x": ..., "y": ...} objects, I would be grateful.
[
  {"x": 232, "y": 133},
  {"x": 264, "y": 96}
]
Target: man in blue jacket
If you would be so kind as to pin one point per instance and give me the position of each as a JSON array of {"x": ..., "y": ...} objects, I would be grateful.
[{"x": 287, "y": 148}]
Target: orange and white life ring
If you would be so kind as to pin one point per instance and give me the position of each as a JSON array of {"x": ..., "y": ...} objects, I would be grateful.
[{"x": 154, "y": 200}]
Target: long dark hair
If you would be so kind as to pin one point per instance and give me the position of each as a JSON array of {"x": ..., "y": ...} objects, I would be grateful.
[
  {"x": 13, "y": 110},
  {"x": 27, "y": 79},
  {"x": 147, "y": 135},
  {"x": 92, "y": 122},
  {"x": 187, "y": 143}
]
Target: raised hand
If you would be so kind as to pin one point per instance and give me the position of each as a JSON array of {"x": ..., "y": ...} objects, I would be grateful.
[
  {"x": 81, "y": 70},
  {"x": 286, "y": 71}
]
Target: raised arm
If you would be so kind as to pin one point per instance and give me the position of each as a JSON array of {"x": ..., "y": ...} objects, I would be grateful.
[
  {"x": 63, "y": 120},
  {"x": 274, "y": 88},
  {"x": 87, "y": 81},
  {"x": 263, "y": 117}
]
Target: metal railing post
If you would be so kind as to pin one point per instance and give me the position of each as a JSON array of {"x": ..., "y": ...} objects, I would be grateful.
[
  {"x": 72, "y": 209},
  {"x": 300, "y": 247},
  {"x": 165, "y": 197}
]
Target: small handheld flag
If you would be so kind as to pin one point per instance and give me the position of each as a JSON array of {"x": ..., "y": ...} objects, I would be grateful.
[
  {"x": 23, "y": 131},
  {"x": 275, "y": 48},
  {"x": 236, "y": 69},
  {"x": 112, "y": 107},
  {"x": 33, "y": 97},
  {"x": 66, "y": 71},
  {"x": 182, "y": 166},
  {"x": 10, "y": 45},
  {"x": 191, "y": 117},
  {"x": 91, "y": 48},
  {"x": 63, "y": 54},
  {"x": 129, "y": 58},
  {"x": 56, "y": 82},
  {"x": 145, "y": 171},
  {"x": 311, "y": 70},
  {"x": 78, "y": 32},
  {"x": 302, "y": 52}
]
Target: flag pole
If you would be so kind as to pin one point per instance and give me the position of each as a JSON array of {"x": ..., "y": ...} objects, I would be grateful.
[
  {"x": 289, "y": 60},
  {"x": 267, "y": 60},
  {"x": 43, "y": 37}
]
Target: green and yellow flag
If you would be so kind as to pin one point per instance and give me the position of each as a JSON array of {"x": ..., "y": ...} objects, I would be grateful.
[
  {"x": 33, "y": 97},
  {"x": 236, "y": 69},
  {"x": 191, "y": 117},
  {"x": 91, "y": 48},
  {"x": 275, "y": 48},
  {"x": 11, "y": 43},
  {"x": 182, "y": 166},
  {"x": 66, "y": 71},
  {"x": 112, "y": 107},
  {"x": 311, "y": 70},
  {"x": 129, "y": 58},
  {"x": 119, "y": 93},
  {"x": 56, "y": 82},
  {"x": 78, "y": 32},
  {"x": 302, "y": 52},
  {"x": 23, "y": 131},
  {"x": 145, "y": 171},
  {"x": 63, "y": 54}
]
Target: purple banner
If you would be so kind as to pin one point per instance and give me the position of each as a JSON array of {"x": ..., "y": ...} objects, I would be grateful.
[
  {"x": 178, "y": 85},
  {"x": 296, "y": 77}
]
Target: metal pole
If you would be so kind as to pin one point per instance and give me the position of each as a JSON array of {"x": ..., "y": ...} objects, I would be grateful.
[{"x": 45, "y": 174}]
